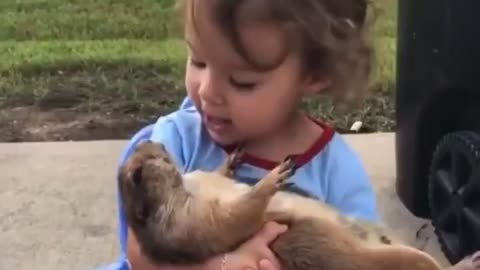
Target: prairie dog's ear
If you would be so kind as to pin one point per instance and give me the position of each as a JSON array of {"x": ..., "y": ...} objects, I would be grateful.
[{"x": 131, "y": 172}]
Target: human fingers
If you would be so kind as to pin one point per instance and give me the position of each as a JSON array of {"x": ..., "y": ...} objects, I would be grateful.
[
  {"x": 265, "y": 264},
  {"x": 270, "y": 231}
]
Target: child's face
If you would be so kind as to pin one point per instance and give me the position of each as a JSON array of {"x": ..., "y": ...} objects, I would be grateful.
[{"x": 236, "y": 101}]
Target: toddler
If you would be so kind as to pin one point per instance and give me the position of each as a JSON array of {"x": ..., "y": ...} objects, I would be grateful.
[{"x": 250, "y": 64}]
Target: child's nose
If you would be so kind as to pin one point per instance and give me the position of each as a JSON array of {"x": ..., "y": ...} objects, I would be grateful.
[{"x": 210, "y": 91}]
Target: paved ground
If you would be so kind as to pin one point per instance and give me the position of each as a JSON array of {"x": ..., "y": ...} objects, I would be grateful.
[{"x": 57, "y": 201}]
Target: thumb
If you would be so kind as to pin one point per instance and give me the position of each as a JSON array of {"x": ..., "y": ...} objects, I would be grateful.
[
  {"x": 267, "y": 265},
  {"x": 270, "y": 231}
]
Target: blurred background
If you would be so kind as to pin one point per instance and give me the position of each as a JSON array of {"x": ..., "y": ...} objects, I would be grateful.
[{"x": 90, "y": 69}]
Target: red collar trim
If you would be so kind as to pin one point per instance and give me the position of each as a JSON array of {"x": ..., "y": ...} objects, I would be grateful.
[{"x": 302, "y": 159}]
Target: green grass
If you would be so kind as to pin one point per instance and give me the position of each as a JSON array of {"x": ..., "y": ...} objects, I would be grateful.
[
  {"x": 378, "y": 111},
  {"x": 86, "y": 19},
  {"x": 385, "y": 33},
  {"x": 123, "y": 55},
  {"x": 21, "y": 56},
  {"x": 130, "y": 76},
  {"x": 109, "y": 55}
]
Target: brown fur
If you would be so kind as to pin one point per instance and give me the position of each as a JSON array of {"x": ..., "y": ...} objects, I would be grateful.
[
  {"x": 174, "y": 225},
  {"x": 189, "y": 218}
]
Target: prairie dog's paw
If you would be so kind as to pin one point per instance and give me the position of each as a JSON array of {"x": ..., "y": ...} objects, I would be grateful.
[
  {"x": 276, "y": 177},
  {"x": 232, "y": 161},
  {"x": 286, "y": 169},
  {"x": 235, "y": 158}
]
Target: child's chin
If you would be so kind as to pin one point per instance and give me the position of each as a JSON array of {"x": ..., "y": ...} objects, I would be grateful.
[{"x": 221, "y": 139}]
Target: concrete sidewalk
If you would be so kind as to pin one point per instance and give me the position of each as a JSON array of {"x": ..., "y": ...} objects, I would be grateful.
[{"x": 58, "y": 211}]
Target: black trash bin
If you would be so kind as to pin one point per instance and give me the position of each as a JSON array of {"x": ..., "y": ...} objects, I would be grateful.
[{"x": 438, "y": 118}]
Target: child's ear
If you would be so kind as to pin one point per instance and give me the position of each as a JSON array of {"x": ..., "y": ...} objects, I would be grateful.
[{"x": 316, "y": 83}]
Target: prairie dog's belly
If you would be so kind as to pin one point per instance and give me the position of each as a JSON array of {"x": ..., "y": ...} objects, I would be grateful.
[
  {"x": 301, "y": 206},
  {"x": 214, "y": 187},
  {"x": 369, "y": 234}
]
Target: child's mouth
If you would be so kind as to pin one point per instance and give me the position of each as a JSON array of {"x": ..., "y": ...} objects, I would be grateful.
[{"x": 217, "y": 124}]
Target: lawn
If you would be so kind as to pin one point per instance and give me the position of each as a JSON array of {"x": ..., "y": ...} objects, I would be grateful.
[{"x": 124, "y": 57}]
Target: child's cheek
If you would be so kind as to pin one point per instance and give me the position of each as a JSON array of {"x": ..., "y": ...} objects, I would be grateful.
[{"x": 193, "y": 87}]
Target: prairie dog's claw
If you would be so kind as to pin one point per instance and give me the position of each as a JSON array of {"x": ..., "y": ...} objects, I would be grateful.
[
  {"x": 284, "y": 170},
  {"x": 232, "y": 161},
  {"x": 235, "y": 157},
  {"x": 290, "y": 165},
  {"x": 287, "y": 185}
]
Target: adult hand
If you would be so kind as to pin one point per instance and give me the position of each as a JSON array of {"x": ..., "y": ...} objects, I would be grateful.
[{"x": 255, "y": 254}]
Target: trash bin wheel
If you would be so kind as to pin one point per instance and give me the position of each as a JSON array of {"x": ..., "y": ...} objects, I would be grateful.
[{"x": 454, "y": 194}]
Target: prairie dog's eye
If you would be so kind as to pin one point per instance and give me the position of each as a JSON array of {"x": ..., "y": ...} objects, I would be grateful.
[{"x": 137, "y": 176}]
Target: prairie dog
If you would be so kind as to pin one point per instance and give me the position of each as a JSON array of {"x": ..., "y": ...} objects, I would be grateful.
[{"x": 184, "y": 219}]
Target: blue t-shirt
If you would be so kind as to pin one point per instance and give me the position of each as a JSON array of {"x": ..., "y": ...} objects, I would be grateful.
[{"x": 329, "y": 171}]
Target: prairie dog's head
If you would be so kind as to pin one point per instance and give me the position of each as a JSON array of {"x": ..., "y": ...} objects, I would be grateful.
[{"x": 145, "y": 179}]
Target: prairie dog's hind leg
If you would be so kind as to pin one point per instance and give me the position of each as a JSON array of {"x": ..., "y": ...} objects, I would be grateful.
[
  {"x": 311, "y": 244},
  {"x": 231, "y": 162},
  {"x": 365, "y": 231}
]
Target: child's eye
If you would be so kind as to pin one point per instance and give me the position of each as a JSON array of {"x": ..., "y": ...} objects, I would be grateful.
[
  {"x": 197, "y": 64},
  {"x": 242, "y": 85}
]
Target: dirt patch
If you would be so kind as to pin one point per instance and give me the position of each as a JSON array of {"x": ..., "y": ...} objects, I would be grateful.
[
  {"x": 85, "y": 100},
  {"x": 113, "y": 104},
  {"x": 30, "y": 123}
]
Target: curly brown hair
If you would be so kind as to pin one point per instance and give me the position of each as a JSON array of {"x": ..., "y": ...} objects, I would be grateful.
[{"x": 329, "y": 34}]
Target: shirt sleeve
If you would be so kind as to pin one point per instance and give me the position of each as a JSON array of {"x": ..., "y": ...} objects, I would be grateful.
[
  {"x": 120, "y": 264},
  {"x": 350, "y": 190},
  {"x": 166, "y": 131}
]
